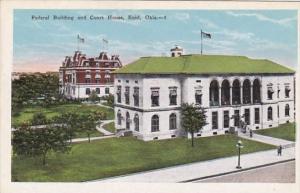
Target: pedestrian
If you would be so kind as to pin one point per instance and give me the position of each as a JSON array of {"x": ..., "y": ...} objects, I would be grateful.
[
  {"x": 251, "y": 133},
  {"x": 279, "y": 150}
]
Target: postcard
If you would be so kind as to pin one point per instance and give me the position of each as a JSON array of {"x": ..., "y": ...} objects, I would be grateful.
[{"x": 149, "y": 96}]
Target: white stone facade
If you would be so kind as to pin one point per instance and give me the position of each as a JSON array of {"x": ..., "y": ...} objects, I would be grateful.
[{"x": 259, "y": 110}]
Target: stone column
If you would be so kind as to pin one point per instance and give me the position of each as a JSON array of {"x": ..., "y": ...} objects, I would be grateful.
[
  {"x": 219, "y": 96},
  {"x": 230, "y": 95},
  {"x": 251, "y": 94},
  {"x": 241, "y": 94}
]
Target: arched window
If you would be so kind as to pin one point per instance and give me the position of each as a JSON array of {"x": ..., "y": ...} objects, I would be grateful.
[
  {"x": 172, "y": 121},
  {"x": 154, "y": 123},
  {"x": 246, "y": 92},
  {"x": 287, "y": 110},
  {"x": 270, "y": 114},
  {"x": 225, "y": 93},
  {"x": 214, "y": 93},
  {"x": 127, "y": 121},
  {"x": 136, "y": 122},
  {"x": 119, "y": 117},
  {"x": 236, "y": 92},
  {"x": 256, "y": 91}
]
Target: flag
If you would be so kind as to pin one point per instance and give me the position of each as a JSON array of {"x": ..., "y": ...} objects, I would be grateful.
[
  {"x": 81, "y": 40},
  {"x": 205, "y": 35},
  {"x": 105, "y": 41}
]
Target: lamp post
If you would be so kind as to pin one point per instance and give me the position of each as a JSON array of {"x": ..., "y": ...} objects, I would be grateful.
[{"x": 239, "y": 145}]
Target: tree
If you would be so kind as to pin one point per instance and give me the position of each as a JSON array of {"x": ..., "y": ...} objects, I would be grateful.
[
  {"x": 32, "y": 142},
  {"x": 39, "y": 118},
  {"x": 110, "y": 100},
  {"x": 70, "y": 122},
  {"x": 193, "y": 119},
  {"x": 88, "y": 122}
]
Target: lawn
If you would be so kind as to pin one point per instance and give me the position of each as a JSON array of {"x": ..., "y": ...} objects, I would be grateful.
[
  {"x": 285, "y": 131},
  {"x": 27, "y": 113},
  {"x": 118, "y": 156},
  {"x": 110, "y": 127}
]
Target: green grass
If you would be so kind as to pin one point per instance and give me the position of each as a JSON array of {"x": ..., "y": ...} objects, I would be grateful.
[
  {"x": 198, "y": 64},
  {"x": 110, "y": 127},
  {"x": 117, "y": 156},
  {"x": 285, "y": 131},
  {"x": 27, "y": 113}
]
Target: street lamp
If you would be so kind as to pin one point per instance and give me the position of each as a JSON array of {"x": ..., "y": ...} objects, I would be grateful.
[{"x": 239, "y": 145}]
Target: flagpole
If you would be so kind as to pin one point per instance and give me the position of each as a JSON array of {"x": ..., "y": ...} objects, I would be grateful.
[
  {"x": 77, "y": 42},
  {"x": 201, "y": 41}
]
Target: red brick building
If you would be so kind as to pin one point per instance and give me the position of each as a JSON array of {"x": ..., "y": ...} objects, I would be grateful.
[{"x": 79, "y": 75}]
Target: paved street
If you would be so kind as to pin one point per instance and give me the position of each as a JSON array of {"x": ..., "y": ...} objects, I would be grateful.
[{"x": 279, "y": 173}]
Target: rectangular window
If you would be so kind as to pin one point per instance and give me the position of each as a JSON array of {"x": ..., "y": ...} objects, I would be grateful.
[
  {"x": 97, "y": 90},
  {"x": 215, "y": 120},
  {"x": 87, "y": 91},
  {"x": 119, "y": 89},
  {"x": 136, "y": 96},
  {"x": 173, "y": 96},
  {"x": 198, "y": 97},
  {"x": 127, "y": 95},
  {"x": 226, "y": 119},
  {"x": 247, "y": 116},
  {"x": 256, "y": 116},
  {"x": 155, "y": 97},
  {"x": 287, "y": 110},
  {"x": 236, "y": 118},
  {"x": 270, "y": 93},
  {"x": 287, "y": 92},
  {"x": 106, "y": 90}
]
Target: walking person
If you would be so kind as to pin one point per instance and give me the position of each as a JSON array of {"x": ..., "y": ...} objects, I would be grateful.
[
  {"x": 279, "y": 150},
  {"x": 251, "y": 133}
]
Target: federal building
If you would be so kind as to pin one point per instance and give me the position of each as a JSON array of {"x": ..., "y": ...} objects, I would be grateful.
[{"x": 149, "y": 93}]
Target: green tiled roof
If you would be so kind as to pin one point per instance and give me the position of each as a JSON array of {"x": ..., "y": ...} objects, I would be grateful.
[{"x": 202, "y": 64}]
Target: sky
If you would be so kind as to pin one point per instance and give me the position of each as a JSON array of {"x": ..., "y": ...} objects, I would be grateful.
[{"x": 41, "y": 45}]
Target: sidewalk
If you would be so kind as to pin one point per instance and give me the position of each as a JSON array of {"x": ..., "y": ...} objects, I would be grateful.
[
  {"x": 102, "y": 130},
  {"x": 206, "y": 168},
  {"x": 92, "y": 138},
  {"x": 266, "y": 139}
]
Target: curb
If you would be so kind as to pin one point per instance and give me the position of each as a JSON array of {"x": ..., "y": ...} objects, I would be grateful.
[{"x": 236, "y": 171}]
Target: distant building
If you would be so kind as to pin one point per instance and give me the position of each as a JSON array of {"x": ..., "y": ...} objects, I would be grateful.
[
  {"x": 79, "y": 75},
  {"x": 150, "y": 92}
]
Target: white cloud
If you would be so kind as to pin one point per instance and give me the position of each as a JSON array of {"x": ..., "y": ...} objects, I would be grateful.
[
  {"x": 208, "y": 24},
  {"x": 261, "y": 17},
  {"x": 182, "y": 16},
  {"x": 235, "y": 35}
]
